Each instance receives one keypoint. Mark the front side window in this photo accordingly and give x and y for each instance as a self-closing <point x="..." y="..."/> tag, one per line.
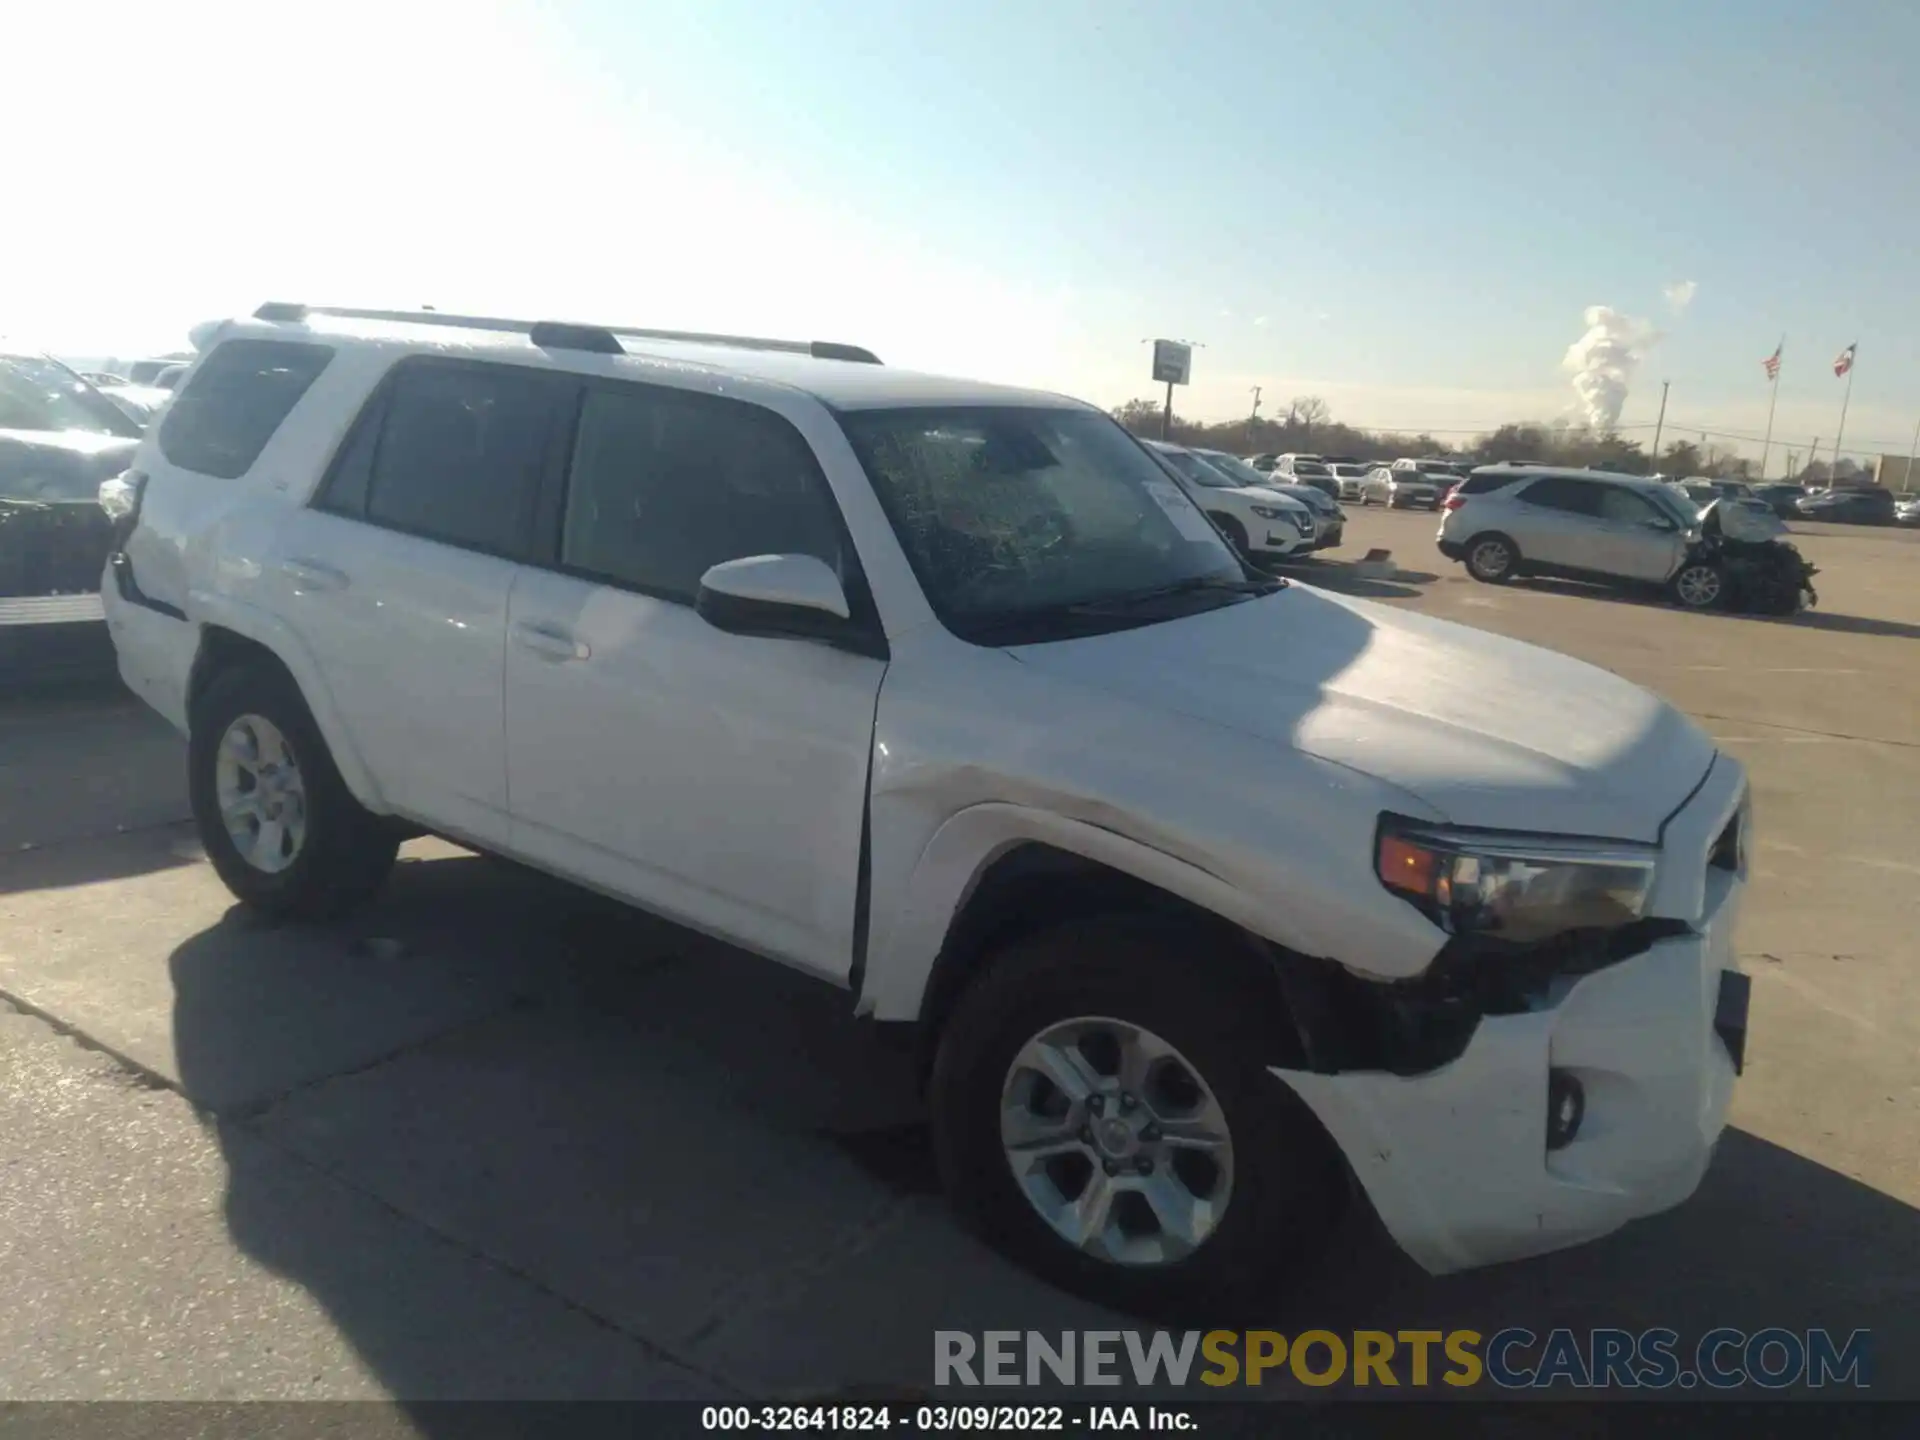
<point x="460" y="454"/>
<point x="224" y="418"/>
<point x="1623" y="507"/>
<point x="665" y="485"/>
<point x="1009" y="512"/>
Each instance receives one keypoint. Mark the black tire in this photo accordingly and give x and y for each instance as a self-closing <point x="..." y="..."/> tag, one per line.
<point x="346" y="852"/>
<point x="1698" y="585"/>
<point x="1235" y="532"/>
<point x="1480" y="556"/>
<point x="1289" y="1182"/>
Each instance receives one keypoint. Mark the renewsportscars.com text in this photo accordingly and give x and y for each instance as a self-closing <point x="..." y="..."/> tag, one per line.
<point x="1512" y="1358"/>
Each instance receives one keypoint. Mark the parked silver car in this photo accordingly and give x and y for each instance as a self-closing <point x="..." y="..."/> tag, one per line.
<point x="1580" y="525"/>
<point x="1403" y="489"/>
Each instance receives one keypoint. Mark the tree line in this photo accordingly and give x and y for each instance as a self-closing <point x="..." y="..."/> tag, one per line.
<point x="1307" y="426"/>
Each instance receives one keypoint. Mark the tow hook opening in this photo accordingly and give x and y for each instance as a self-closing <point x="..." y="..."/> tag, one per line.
<point x="1566" y="1108"/>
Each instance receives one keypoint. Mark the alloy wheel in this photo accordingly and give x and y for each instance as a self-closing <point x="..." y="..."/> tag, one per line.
<point x="261" y="794"/>
<point x="1116" y="1141"/>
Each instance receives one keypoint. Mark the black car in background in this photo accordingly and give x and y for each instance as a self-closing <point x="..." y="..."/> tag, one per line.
<point x="59" y="439"/>
<point x="1868" y="505"/>
<point x="1782" y="498"/>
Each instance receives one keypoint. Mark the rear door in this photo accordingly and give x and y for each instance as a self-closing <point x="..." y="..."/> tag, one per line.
<point x="397" y="579"/>
<point x="1559" y="524"/>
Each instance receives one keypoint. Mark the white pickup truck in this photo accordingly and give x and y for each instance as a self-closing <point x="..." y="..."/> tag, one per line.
<point x="1210" y="900"/>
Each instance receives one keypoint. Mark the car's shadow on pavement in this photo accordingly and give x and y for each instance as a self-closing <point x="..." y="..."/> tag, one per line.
<point x="1814" y="619"/>
<point x="717" y="1181"/>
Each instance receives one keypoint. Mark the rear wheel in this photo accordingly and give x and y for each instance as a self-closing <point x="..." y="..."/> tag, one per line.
<point x="1105" y="1117"/>
<point x="1492" y="559"/>
<point x="277" y="821"/>
<point x="1698" y="586"/>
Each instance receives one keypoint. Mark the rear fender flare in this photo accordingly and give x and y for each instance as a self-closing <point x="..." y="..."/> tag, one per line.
<point x="276" y="636"/>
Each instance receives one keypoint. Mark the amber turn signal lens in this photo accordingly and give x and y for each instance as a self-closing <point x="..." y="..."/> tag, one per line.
<point x="1402" y="865"/>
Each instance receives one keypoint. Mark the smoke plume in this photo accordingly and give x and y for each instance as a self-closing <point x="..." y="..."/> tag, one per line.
<point x="1603" y="361"/>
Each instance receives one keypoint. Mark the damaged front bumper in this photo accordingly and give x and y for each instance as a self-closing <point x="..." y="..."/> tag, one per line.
<point x="1484" y="1158"/>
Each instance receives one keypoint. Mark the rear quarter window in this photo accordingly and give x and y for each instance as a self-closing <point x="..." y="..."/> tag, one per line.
<point x="222" y="420"/>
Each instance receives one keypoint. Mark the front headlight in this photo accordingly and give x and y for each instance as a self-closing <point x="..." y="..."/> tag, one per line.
<point x="1518" y="888"/>
<point x="1267" y="512"/>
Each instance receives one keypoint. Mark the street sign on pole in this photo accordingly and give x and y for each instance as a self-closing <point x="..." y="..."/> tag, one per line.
<point x="1172" y="362"/>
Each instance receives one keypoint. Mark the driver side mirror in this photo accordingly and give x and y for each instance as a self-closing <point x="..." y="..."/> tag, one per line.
<point x="796" y="596"/>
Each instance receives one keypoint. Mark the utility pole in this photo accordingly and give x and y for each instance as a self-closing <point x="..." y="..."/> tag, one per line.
<point x="1813" y="455"/>
<point x="1658" y="426"/>
<point x="1906" y="480"/>
<point x="1254" y="418"/>
<point x="1793" y="457"/>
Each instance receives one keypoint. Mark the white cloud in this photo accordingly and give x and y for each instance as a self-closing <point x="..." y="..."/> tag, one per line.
<point x="1259" y="322"/>
<point x="1680" y="294"/>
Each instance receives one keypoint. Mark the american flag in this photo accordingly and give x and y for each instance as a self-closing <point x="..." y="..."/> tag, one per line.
<point x="1772" y="363"/>
<point x="1843" y="362"/>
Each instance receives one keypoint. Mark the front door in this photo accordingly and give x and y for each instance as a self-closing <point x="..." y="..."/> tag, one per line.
<point x="717" y="779"/>
<point x="1636" y="541"/>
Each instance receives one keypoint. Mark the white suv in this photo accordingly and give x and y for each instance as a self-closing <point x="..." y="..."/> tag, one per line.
<point x="1262" y="524"/>
<point x="1204" y="896"/>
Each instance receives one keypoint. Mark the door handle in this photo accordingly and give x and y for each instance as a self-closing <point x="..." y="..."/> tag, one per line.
<point x="550" y="642"/>
<point x="312" y="575"/>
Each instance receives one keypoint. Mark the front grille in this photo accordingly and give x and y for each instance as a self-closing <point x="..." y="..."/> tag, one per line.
<point x="1303" y="523"/>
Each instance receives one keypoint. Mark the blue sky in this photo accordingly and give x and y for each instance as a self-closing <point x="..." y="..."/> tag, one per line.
<point x="1404" y="208"/>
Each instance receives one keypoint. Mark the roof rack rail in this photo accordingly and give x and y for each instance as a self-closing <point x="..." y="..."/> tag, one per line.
<point x="567" y="335"/>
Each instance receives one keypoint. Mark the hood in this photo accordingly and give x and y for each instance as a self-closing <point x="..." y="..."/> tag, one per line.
<point x="83" y="443"/>
<point x="1487" y="731"/>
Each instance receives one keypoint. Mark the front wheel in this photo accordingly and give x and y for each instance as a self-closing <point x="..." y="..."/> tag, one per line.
<point x="277" y="821"/>
<point x="1698" y="585"/>
<point x="1492" y="559"/>
<point x="1103" y="1115"/>
<point x="1235" y="532"/>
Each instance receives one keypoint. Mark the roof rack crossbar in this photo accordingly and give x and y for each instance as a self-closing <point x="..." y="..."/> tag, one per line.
<point x="819" y="349"/>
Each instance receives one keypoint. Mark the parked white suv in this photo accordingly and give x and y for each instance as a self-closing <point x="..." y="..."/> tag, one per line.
<point x="1201" y="892"/>
<point x="1262" y="524"/>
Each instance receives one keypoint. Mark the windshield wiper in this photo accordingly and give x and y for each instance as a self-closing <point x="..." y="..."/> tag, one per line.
<point x="1199" y="584"/>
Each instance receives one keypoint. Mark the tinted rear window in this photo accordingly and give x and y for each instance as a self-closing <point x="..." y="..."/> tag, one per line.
<point x="221" y="422"/>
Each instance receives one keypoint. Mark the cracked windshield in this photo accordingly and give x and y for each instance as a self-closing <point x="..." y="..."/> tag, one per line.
<point x="963" y="715"/>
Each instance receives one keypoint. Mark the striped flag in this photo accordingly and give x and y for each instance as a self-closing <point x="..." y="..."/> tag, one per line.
<point x="1772" y="363"/>
<point x="1843" y="362"/>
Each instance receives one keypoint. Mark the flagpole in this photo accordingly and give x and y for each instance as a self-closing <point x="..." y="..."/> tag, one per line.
<point x="1852" y="365"/>
<point x="1767" y="447"/>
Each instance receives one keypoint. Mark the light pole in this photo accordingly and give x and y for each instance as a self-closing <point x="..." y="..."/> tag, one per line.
<point x="1658" y="426"/>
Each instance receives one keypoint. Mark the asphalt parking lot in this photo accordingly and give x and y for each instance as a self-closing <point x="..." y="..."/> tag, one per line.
<point x="494" y="1138"/>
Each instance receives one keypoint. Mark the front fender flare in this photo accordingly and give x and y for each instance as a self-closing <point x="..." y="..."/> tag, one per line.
<point x="906" y="944"/>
